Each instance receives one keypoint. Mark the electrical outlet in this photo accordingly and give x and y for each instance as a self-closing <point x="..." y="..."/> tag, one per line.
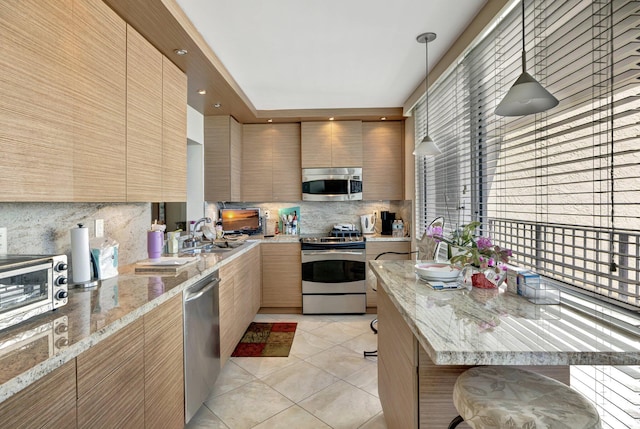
<point x="267" y="214"/>
<point x="3" y="240"/>
<point x="99" y="227"/>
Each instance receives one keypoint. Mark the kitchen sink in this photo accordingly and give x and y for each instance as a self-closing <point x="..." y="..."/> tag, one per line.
<point x="211" y="247"/>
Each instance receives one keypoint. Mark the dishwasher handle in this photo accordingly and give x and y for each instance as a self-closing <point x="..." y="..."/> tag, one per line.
<point x="191" y="296"/>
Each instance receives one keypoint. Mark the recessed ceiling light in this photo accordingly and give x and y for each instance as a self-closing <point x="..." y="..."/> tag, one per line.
<point x="202" y="91"/>
<point x="180" y="51"/>
<point x="384" y="118"/>
<point x="331" y="118"/>
<point x="269" y="120"/>
<point x="217" y="105"/>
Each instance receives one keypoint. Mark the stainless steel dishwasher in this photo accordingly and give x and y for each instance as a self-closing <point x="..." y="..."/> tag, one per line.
<point x="201" y="342"/>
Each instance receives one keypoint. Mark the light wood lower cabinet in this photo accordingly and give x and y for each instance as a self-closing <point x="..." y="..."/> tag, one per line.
<point x="239" y="297"/>
<point x="164" y="366"/>
<point x="48" y="403"/>
<point x="111" y="381"/>
<point x="281" y="275"/>
<point x="375" y="248"/>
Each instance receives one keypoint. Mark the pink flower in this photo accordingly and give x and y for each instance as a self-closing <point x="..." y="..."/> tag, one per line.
<point x="434" y="232"/>
<point x="483" y="243"/>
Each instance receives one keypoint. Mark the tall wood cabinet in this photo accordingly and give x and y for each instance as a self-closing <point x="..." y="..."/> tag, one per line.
<point x="239" y="297"/>
<point x="36" y="102"/>
<point x="144" y="119"/>
<point x="331" y="144"/>
<point x="271" y="162"/>
<point x="222" y="158"/>
<point x="382" y="169"/>
<point x="281" y="275"/>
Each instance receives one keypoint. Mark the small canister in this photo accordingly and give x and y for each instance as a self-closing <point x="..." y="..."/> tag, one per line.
<point x="397" y="228"/>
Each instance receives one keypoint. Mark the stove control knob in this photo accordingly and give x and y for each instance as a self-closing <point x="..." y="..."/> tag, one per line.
<point x="61" y="281"/>
<point x="61" y="266"/>
<point x="62" y="342"/>
<point x="61" y="328"/>
<point x="61" y="294"/>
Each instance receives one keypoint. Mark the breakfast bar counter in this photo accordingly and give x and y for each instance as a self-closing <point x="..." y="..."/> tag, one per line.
<point x="444" y="332"/>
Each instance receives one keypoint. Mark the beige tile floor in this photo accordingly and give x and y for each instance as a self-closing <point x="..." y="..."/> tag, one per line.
<point x="324" y="383"/>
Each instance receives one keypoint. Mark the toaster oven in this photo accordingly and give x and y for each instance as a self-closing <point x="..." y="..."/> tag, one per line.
<point x="31" y="285"/>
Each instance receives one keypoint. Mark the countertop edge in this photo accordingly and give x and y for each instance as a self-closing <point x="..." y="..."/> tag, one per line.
<point x="38" y="371"/>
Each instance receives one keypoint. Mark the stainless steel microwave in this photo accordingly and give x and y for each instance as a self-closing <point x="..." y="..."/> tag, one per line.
<point x="331" y="184"/>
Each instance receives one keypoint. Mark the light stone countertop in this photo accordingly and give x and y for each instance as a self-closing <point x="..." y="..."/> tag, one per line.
<point x="379" y="237"/>
<point x="92" y="315"/>
<point x="493" y="327"/>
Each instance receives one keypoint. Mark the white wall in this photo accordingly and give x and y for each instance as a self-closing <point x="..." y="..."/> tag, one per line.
<point x="195" y="164"/>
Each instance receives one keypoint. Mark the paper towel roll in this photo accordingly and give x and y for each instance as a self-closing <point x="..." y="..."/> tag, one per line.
<point x="80" y="254"/>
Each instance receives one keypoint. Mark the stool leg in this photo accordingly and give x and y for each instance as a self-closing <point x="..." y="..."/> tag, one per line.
<point x="374" y="322"/>
<point x="455" y="422"/>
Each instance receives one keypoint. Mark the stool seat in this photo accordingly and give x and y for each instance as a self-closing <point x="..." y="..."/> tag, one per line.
<point x="505" y="397"/>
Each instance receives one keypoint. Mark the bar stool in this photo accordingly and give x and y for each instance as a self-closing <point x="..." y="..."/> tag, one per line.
<point x="505" y="397"/>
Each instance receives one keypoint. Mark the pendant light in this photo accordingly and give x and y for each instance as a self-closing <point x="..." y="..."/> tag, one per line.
<point x="427" y="147"/>
<point x="526" y="96"/>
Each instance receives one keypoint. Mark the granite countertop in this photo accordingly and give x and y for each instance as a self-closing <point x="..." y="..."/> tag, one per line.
<point x="493" y="327"/>
<point x="32" y="349"/>
<point x="380" y="237"/>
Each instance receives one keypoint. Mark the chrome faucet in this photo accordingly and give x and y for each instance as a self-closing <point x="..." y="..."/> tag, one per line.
<point x="199" y="222"/>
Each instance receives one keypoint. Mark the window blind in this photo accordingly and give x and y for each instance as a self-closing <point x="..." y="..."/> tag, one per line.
<point x="560" y="188"/>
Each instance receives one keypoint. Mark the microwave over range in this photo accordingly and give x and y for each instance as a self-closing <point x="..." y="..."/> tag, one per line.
<point x="31" y="285"/>
<point x="331" y="184"/>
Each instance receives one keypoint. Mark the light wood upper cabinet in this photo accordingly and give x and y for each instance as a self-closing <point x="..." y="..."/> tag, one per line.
<point x="99" y="102"/>
<point x="144" y="119"/>
<point x="222" y="158"/>
<point x="331" y="144"/>
<point x="383" y="170"/>
<point x="281" y="275"/>
<point x="257" y="161"/>
<point x="271" y="162"/>
<point x="174" y="132"/>
<point x="36" y="105"/>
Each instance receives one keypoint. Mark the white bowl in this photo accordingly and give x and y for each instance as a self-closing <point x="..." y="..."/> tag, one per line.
<point x="437" y="271"/>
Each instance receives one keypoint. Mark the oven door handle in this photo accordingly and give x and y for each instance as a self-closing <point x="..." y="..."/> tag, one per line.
<point x="314" y="256"/>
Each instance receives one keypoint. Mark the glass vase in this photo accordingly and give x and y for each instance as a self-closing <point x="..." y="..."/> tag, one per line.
<point x="482" y="278"/>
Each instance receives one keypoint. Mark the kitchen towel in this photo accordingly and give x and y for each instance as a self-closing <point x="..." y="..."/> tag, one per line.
<point x="80" y="254"/>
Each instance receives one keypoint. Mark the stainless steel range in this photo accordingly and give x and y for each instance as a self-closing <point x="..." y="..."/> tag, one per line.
<point x="333" y="273"/>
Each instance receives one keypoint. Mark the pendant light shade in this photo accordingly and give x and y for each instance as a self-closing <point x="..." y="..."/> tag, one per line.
<point x="426" y="147"/>
<point x="526" y="96"/>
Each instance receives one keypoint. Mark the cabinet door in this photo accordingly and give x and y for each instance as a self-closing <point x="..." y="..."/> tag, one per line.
<point x="222" y="158"/>
<point x="316" y="144"/>
<point x="36" y="109"/>
<point x="247" y="290"/>
<point x="383" y="161"/>
<point x="281" y="275"/>
<point x="48" y="403"/>
<point x="99" y="102"/>
<point x="375" y="248"/>
<point x="228" y="327"/>
<point x="144" y="119"/>
<point x="346" y="144"/>
<point x="286" y="168"/>
<point x="163" y="366"/>
<point x="257" y="181"/>
<point x="174" y="132"/>
<point x="110" y="380"/>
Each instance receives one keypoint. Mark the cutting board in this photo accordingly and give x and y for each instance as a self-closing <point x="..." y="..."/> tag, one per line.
<point x="166" y="264"/>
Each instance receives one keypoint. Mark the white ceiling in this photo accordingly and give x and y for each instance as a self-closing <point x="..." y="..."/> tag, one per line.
<point x="299" y="54"/>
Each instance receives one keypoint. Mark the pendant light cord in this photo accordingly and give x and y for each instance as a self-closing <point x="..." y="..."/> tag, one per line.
<point x="426" y="79"/>
<point x="524" y="52"/>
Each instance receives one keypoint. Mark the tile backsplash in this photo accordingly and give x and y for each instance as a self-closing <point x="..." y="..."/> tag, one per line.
<point x="319" y="217"/>
<point x="43" y="228"/>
